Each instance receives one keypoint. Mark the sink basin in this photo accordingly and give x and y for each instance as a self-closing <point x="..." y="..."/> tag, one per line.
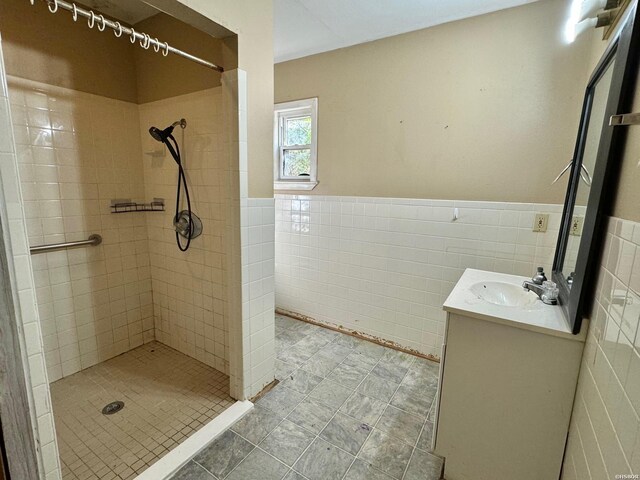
<point x="505" y="294"/>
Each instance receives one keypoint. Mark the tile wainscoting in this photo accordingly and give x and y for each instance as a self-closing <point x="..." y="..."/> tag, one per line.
<point x="604" y="437"/>
<point x="16" y="243"/>
<point x="384" y="266"/>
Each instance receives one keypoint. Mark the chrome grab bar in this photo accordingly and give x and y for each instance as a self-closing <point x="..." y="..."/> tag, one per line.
<point x="93" y="240"/>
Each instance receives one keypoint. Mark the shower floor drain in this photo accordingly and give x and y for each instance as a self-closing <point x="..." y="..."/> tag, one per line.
<point x="113" y="407"/>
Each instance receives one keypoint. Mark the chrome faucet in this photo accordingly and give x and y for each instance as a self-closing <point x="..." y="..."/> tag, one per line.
<point x="546" y="291"/>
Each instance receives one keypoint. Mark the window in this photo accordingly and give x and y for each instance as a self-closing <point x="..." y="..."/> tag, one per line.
<point x="295" y="145"/>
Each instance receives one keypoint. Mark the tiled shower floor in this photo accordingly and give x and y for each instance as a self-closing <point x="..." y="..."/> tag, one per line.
<point x="344" y="409"/>
<point x="167" y="396"/>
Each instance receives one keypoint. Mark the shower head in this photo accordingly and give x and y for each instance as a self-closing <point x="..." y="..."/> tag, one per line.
<point x="162" y="135"/>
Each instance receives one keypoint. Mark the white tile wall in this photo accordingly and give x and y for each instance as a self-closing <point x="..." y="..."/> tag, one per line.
<point x="76" y="152"/>
<point x="250" y="252"/>
<point x="12" y="215"/>
<point x="258" y="286"/>
<point x="189" y="287"/>
<point x="604" y="437"/>
<point x="385" y="266"/>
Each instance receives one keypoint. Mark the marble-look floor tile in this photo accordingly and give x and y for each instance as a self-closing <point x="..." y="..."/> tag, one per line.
<point x="358" y="360"/>
<point x="259" y="466"/>
<point x="396" y="357"/>
<point x="307" y="328"/>
<point x="281" y="399"/>
<point x="323" y="461"/>
<point x="423" y="466"/>
<point x="286" y="322"/>
<point x="371" y="350"/>
<point x="339" y="352"/>
<point x="364" y="471"/>
<point x="224" y="453"/>
<point x="293" y="475"/>
<point x="363" y="408"/>
<point x="378" y="388"/>
<point x="389" y="371"/>
<point x="287" y="442"/>
<point x="192" y="471"/>
<point x="415" y="403"/>
<point x="348" y="341"/>
<point x="432" y="414"/>
<point x="296" y="355"/>
<point x="330" y="393"/>
<point x="302" y="381"/>
<point x="257" y="424"/>
<point x="346" y="432"/>
<point x="422" y="372"/>
<point x="424" y="442"/>
<point x="312" y="415"/>
<point x="312" y="344"/>
<point x="329" y="335"/>
<point x="400" y="424"/>
<point x="320" y="364"/>
<point x="288" y="338"/>
<point x="386" y="453"/>
<point x="284" y="369"/>
<point x="347" y="376"/>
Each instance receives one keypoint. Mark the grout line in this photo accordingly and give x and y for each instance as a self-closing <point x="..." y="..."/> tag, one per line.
<point x="317" y="435"/>
<point x="352" y="391"/>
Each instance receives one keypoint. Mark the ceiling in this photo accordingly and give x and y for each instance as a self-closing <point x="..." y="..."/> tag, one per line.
<point x="128" y="11"/>
<point x="306" y="27"/>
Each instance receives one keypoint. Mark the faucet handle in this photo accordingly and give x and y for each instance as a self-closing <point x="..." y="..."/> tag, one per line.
<point x="539" y="278"/>
<point x="550" y="293"/>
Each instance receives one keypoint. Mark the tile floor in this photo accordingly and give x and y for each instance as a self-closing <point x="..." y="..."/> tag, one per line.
<point x="344" y="409"/>
<point x="167" y="396"/>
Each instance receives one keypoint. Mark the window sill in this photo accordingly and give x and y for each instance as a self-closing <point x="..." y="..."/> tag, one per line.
<point x="294" y="185"/>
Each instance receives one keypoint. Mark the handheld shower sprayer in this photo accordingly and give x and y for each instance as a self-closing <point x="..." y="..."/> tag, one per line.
<point x="185" y="222"/>
<point x="163" y="135"/>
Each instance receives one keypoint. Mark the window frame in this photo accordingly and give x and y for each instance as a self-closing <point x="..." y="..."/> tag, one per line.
<point x="282" y="112"/>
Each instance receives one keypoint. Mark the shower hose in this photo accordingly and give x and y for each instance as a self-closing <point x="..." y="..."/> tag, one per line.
<point x="182" y="181"/>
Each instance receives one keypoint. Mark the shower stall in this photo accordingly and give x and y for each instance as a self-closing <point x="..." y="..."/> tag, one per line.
<point x="132" y="307"/>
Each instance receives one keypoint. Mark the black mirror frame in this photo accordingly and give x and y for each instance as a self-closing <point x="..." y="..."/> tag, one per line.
<point x="625" y="50"/>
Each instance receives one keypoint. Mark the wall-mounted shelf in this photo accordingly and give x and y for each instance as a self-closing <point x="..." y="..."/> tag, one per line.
<point x="126" y="206"/>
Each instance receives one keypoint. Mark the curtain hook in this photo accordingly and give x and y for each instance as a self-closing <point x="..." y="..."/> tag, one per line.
<point x="118" y="32"/>
<point x="165" y="52"/>
<point x="133" y="35"/>
<point x="92" y="20"/>
<point x="75" y="12"/>
<point x="104" y="25"/>
<point x="156" y="45"/>
<point x="145" y="42"/>
<point x="55" y="6"/>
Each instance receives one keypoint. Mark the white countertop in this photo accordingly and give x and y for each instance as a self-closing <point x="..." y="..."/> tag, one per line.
<point x="538" y="317"/>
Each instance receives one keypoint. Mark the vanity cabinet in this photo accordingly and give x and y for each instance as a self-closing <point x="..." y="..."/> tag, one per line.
<point x="507" y="383"/>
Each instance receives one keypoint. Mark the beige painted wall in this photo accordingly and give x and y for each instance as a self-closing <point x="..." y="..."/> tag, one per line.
<point x="253" y="22"/>
<point x="482" y="109"/>
<point x="627" y="200"/>
<point x="626" y="203"/>
<point x="162" y="77"/>
<point x="52" y="49"/>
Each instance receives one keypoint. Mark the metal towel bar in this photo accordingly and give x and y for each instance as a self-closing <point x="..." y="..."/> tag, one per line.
<point x="93" y="240"/>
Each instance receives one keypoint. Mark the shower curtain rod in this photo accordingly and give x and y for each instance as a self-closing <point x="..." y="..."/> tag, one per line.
<point x="144" y="39"/>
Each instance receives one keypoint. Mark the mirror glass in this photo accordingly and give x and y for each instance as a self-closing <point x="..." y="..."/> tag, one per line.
<point x="587" y="163"/>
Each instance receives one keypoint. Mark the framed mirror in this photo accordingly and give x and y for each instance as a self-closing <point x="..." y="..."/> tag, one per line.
<point x="594" y="168"/>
